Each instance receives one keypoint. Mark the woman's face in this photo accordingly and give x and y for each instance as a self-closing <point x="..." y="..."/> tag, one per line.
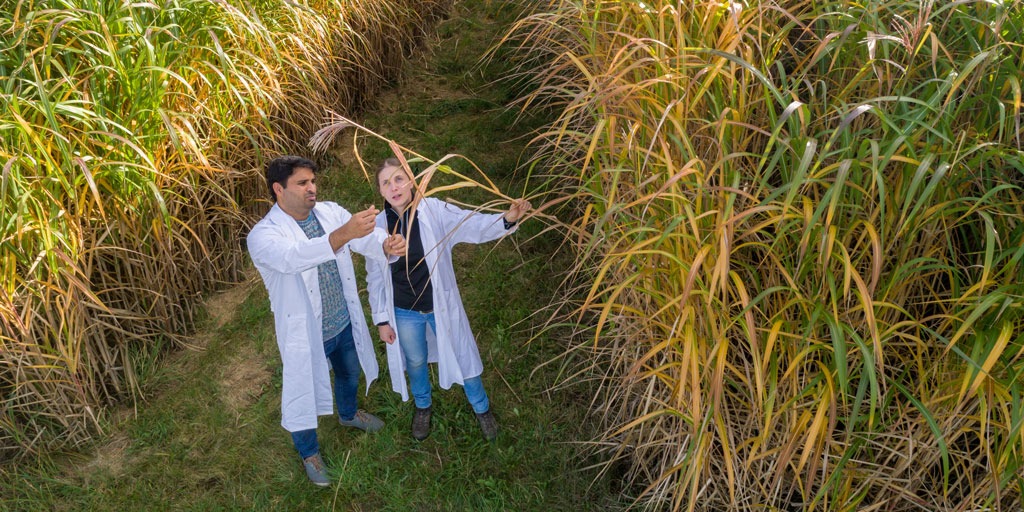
<point x="396" y="187"/>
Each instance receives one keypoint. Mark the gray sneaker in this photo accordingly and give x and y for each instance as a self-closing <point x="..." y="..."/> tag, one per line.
<point x="316" y="470"/>
<point x="488" y="425"/>
<point x="363" y="421"/>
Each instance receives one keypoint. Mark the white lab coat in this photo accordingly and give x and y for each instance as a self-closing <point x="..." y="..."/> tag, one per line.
<point x="453" y="346"/>
<point x="287" y="260"/>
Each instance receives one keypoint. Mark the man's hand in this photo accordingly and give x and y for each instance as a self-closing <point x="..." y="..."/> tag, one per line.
<point x="360" y="225"/>
<point x="395" y="245"/>
<point x="387" y="333"/>
<point x="517" y="210"/>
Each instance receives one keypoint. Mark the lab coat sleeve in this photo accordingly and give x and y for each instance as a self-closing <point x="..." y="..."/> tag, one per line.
<point x="376" y="282"/>
<point x="469" y="226"/>
<point x="270" y="248"/>
<point x="375" y="286"/>
<point x="371" y="246"/>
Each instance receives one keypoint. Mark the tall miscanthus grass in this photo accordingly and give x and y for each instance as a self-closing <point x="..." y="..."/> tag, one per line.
<point x="131" y="137"/>
<point x="799" y="229"/>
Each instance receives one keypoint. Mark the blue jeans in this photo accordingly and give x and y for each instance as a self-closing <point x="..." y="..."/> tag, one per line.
<point x="341" y="352"/>
<point x="412" y="335"/>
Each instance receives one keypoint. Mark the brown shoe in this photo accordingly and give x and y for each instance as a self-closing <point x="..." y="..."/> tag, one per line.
<point x="488" y="425"/>
<point x="421" y="423"/>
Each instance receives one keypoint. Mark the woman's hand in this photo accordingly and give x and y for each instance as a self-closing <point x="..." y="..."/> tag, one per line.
<point x="387" y="333"/>
<point x="394" y="245"/>
<point x="519" y="208"/>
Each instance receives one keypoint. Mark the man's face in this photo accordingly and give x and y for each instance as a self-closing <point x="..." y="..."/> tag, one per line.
<point x="396" y="187"/>
<point x="298" y="197"/>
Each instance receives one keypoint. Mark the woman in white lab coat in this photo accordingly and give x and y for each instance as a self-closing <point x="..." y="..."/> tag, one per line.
<point x="415" y="300"/>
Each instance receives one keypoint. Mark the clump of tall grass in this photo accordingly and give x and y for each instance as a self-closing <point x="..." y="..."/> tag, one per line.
<point x="131" y="137"/>
<point x="799" y="229"/>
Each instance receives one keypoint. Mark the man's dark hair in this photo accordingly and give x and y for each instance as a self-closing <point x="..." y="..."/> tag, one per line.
<point x="280" y="168"/>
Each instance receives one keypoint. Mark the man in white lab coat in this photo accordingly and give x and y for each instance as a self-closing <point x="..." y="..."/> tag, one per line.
<point x="301" y="249"/>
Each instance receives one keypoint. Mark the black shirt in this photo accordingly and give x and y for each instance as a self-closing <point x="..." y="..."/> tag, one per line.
<point x="410" y="276"/>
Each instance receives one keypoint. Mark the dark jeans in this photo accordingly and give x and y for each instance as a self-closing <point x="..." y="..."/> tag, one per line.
<point x="341" y="352"/>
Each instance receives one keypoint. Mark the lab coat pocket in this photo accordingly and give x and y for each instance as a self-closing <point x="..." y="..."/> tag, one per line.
<point x="296" y="336"/>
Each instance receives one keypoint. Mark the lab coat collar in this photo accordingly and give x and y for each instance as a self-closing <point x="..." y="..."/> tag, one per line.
<point x="280" y="217"/>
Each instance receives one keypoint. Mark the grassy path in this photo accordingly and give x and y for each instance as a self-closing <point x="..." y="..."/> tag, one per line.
<point x="208" y="435"/>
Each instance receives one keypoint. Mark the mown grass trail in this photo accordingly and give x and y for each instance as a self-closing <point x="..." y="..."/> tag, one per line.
<point x="208" y="435"/>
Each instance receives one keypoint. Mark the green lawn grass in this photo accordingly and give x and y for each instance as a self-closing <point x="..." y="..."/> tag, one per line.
<point x="208" y="435"/>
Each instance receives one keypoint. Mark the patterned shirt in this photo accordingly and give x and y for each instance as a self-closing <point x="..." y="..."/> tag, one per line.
<point x="335" y="312"/>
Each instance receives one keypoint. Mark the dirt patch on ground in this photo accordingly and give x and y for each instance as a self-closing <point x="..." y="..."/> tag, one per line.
<point x="110" y="459"/>
<point x="246" y="377"/>
<point x="222" y="306"/>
